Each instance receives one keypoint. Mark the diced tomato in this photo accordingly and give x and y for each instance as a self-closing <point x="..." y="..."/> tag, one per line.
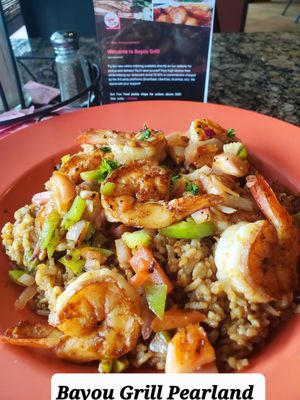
<point x="143" y="260"/>
<point x="139" y="278"/>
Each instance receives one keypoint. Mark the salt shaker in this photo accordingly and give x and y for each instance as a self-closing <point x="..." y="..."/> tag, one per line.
<point x="71" y="68"/>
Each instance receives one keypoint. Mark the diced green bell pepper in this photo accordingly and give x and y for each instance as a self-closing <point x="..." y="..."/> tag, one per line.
<point x="136" y="239"/>
<point x="189" y="230"/>
<point x="156" y="296"/>
<point x="75" y="212"/>
<point x="73" y="262"/>
<point x="51" y="223"/>
<point x="105" y="366"/>
<point x="93" y="175"/>
<point x="117" y="366"/>
<point x="107" y="188"/>
<point x="120" y="365"/>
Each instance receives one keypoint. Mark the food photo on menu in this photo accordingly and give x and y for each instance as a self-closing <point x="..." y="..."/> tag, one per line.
<point x="149" y="202"/>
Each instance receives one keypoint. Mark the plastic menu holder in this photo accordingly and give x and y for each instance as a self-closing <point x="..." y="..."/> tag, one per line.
<point x="154" y="49"/>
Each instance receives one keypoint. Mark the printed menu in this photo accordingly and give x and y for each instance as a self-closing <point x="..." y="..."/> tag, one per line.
<point x="154" y="49"/>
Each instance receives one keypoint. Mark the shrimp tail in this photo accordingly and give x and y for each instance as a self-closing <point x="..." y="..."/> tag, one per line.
<point x="28" y="334"/>
<point x="185" y="206"/>
<point x="287" y="252"/>
<point x="270" y="206"/>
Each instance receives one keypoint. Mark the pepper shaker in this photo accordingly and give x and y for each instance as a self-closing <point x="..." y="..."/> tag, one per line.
<point x="71" y="68"/>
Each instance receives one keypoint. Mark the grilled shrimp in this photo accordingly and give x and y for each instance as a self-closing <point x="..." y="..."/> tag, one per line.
<point x="140" y="197"/>
<point x="97" y="316"/>
<point x="82" y="161"/>
<point x="206" y="139"/>
<point x="239" y="204"/>
<point x="259" y="259"/>
<point x="190" y="351"/>
<point x="230" y="164"/>
<point x="147" y="144"/>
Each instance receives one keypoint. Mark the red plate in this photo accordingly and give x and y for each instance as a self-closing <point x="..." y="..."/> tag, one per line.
<point x="27" y="158"/>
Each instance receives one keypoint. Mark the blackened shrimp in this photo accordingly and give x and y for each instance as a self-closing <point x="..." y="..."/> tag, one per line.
<point x="206" y="139"/>
<point x="140" y="197"/>
<point x="146" y="144"/>
<point x="259" y="259"/>
<point x="96" y="317"/>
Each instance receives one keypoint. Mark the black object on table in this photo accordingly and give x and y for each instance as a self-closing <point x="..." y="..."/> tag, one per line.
<point x="49" y="110"/>
<point x="254" y="71"/>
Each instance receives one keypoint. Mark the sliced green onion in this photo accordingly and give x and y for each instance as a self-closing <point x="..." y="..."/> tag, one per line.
<point x="146" y="135"/>
<point x="54" y="242"/>
<point x="156" y="296"/>
<point x="120" y="365"/>
<point x="189" y="230"/>
<point x="107" y="166"/>
<point x="75" y="212"/>
<point x="231" y="133"/>
<point x="108" y="188"/>
<point x="105" y="366"/>
<point x="15" y="274"/>
<point x="243" y="153"/>
<point x="136" y="239"/>
<point x="29" y="261"/>
<point x="33" y="264"/>
<point x="100" y="174"/>
<point x="51" y="223"/>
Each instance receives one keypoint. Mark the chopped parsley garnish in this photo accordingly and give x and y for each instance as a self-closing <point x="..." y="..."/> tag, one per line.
<point x="105" y="149"/>
<point x="146" y="135"/>
<point x="192" y="187"/>
<point x="231" y="133"/>
<point x="106" y="167"/>
<point x="175" y="178"/>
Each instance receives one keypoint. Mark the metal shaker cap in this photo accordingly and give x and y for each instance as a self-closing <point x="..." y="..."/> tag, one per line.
<point x="64" y="41"/>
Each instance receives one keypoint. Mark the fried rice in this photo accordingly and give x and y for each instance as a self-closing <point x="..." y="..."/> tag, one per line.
<point x="235" y="326"/>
